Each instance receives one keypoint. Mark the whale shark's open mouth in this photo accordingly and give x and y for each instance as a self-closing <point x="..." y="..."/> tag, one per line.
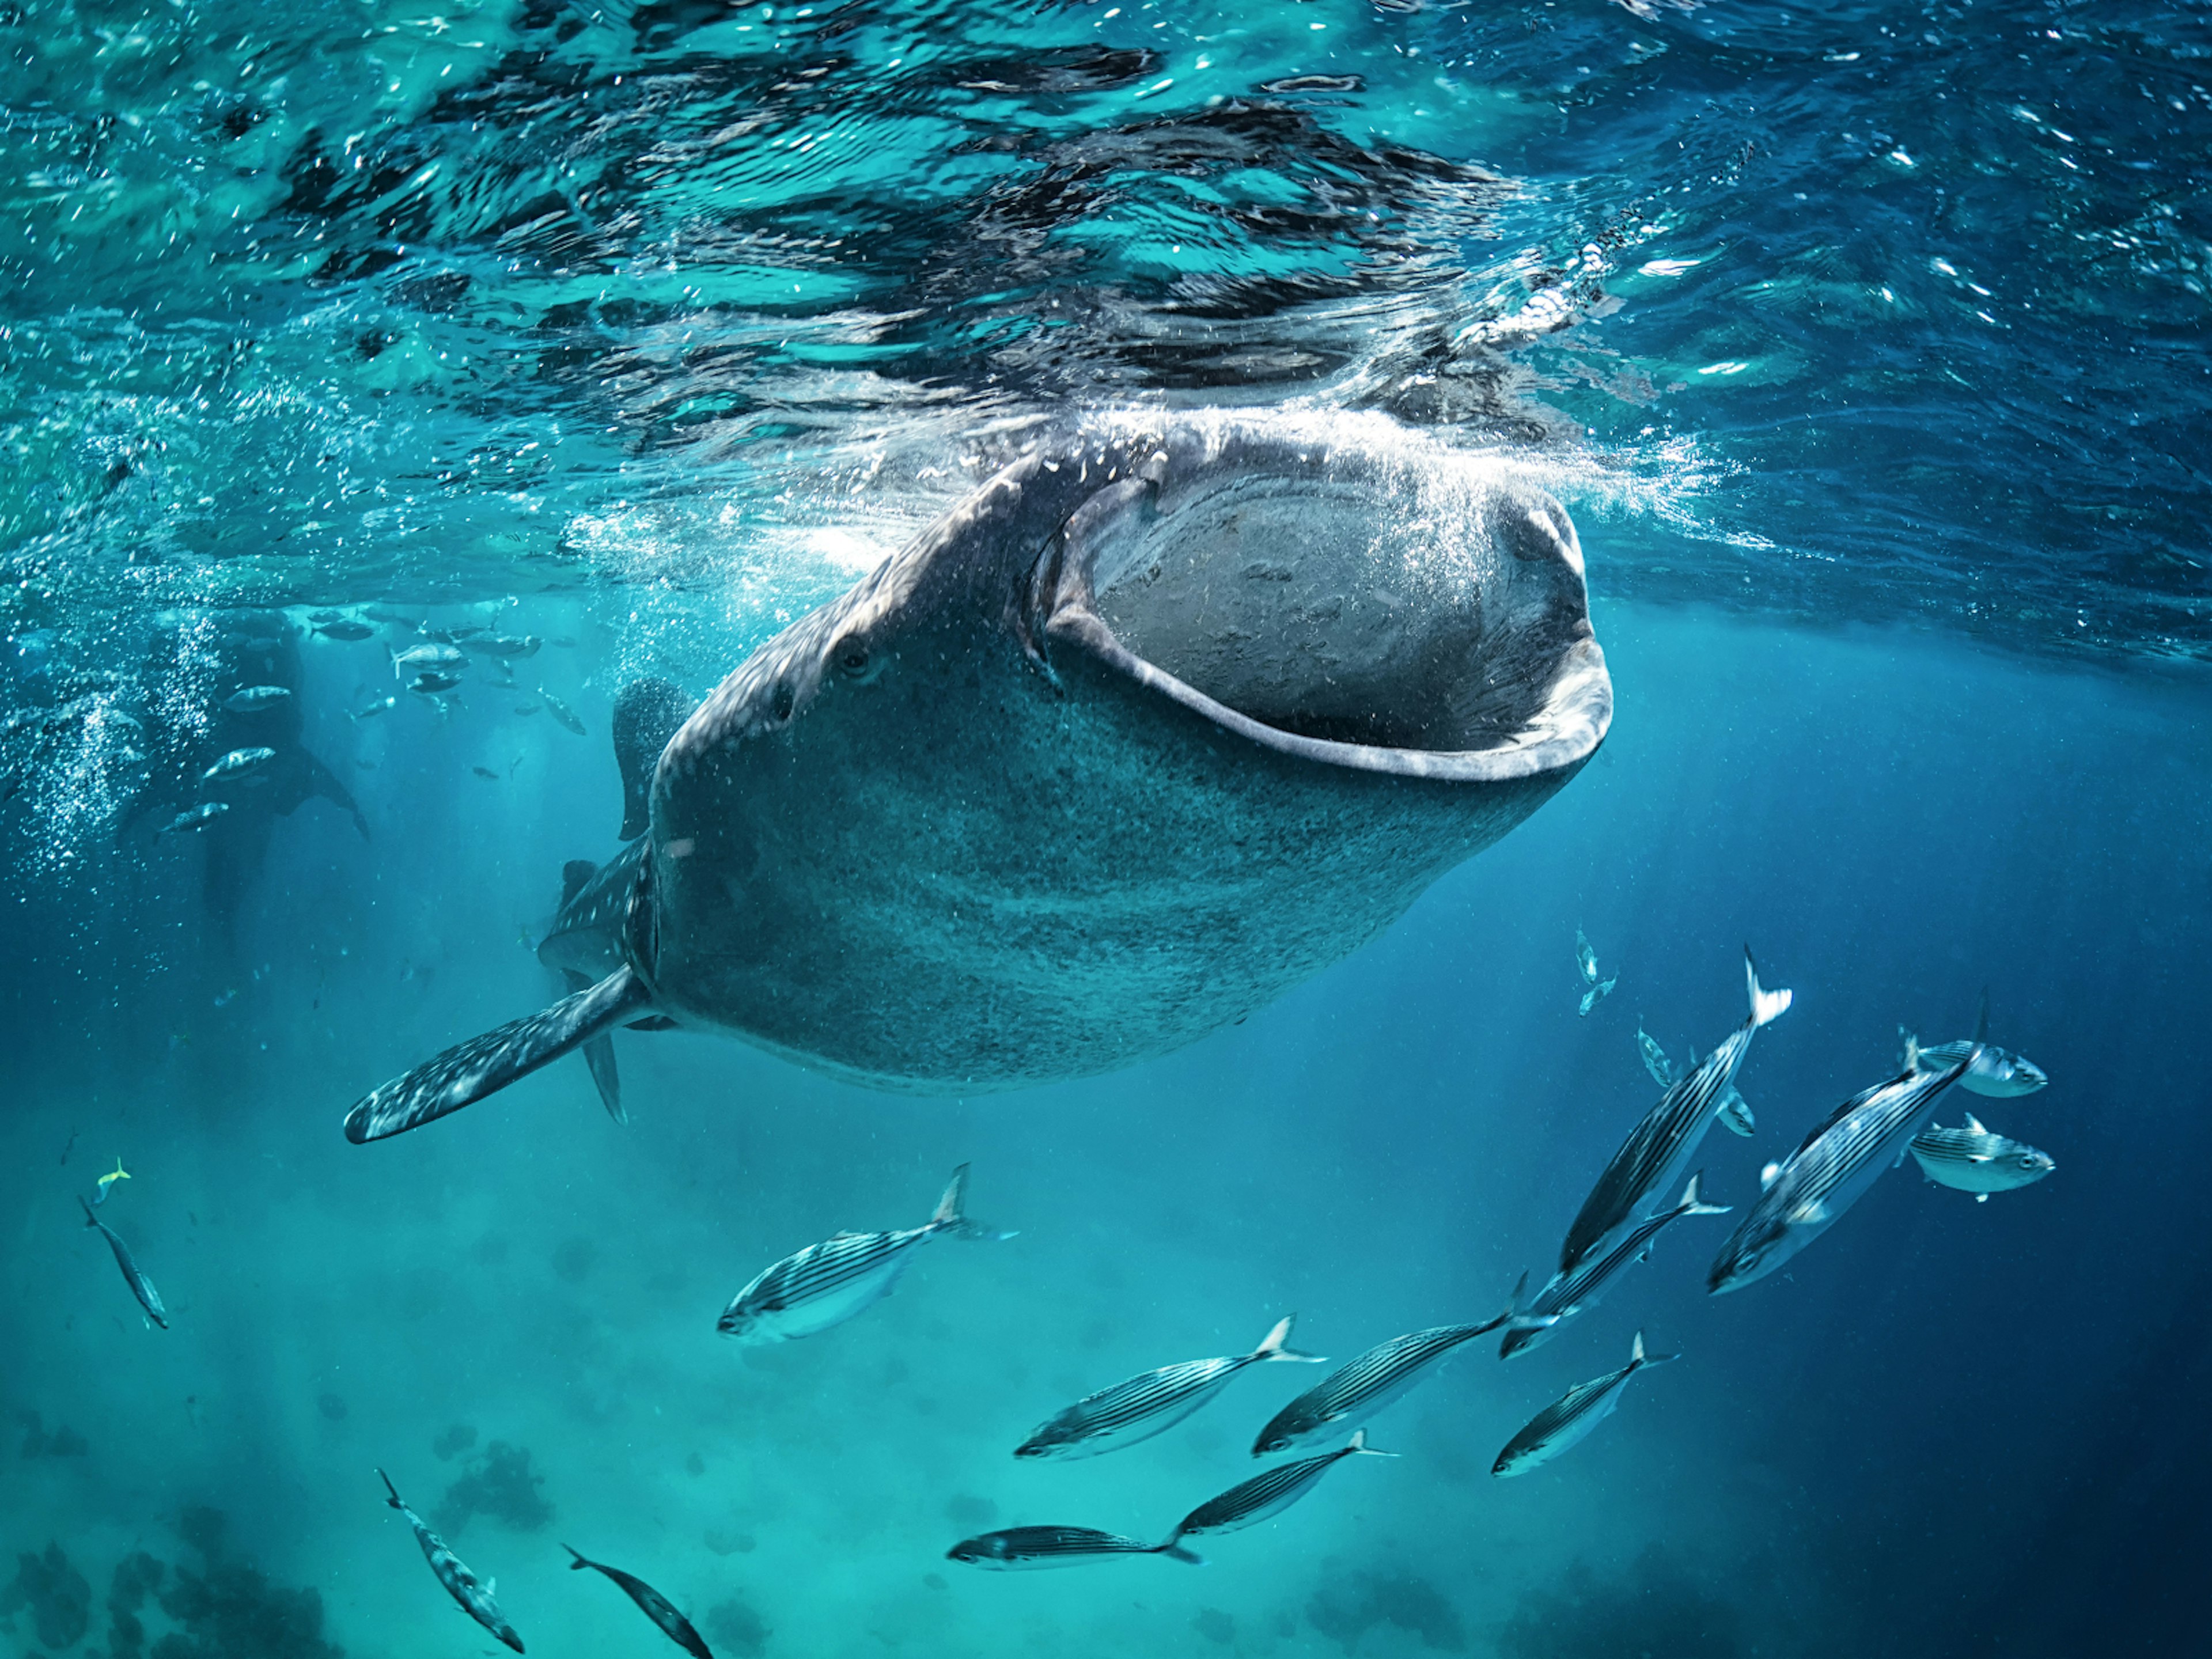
<point x="1426" y="620"/>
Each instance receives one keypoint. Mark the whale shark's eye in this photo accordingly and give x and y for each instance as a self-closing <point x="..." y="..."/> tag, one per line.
<point x="853" y="659"/>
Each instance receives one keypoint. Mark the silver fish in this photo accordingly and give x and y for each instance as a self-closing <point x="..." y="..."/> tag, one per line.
<point x="1734" y="1111"/>
<point x="431" y="682"/>
<point x="1356" y="1391"/>
<point x="827" y="1283"/>
<point x="1269" y="1493"/>
<point x="1997" y="1072"/>
<point x="506" y="645"/>
<point x="561" y="711"/>
<point x="1976" y="1160"/>
<point x="197" y="818"/>
<point x="255" y="698"/>
<point x="475" y="1598"/>
<point x="369" y="711"/>
<point x="1567" y="1420"/>
<point x="238" y="764"/>
<point x="1576" y="1290"/>
<point x="1150" y="1404"/>
<point x="1019" y="1549"/>
<point x="344" y="627"/>
<point x="650" y="1602"/>
<point x="1831" y="1167"/>
<point x="1586" y="959"/>
<point x="141" y="1286"/>
<point x="1658" y="1150"/>
<point x="418" y="658"/>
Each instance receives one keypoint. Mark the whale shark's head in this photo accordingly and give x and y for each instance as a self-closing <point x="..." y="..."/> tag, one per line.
<point x="1167" y="714"/>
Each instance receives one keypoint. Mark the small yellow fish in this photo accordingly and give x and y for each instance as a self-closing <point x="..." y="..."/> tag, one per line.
<point x="107" y="1181"/>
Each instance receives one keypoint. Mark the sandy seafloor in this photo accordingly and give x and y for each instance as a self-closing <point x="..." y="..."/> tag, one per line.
<point x="1880" y="1446"/>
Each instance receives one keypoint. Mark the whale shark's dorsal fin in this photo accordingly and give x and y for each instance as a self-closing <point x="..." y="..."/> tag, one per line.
<point x="574" y="874"/>
<point x="467" y="1073"/>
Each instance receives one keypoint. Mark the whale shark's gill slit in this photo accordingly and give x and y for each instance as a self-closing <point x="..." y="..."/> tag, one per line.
<point x="465" y="1074"/>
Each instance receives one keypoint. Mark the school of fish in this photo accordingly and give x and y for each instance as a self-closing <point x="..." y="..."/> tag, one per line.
<point x="1642" y="1192"/>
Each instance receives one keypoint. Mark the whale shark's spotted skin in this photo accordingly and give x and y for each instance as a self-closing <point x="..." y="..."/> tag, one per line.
<point x="1171" y="712"/>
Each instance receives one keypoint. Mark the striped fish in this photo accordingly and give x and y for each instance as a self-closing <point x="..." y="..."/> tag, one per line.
<point x="1997" y="1072"/>
<point x="460" y="1583"/>
<point x="1021" y="1549"/>
<point x="141" y="1286"/>
<point x="1659" y="1149"/>
<point x="650" y="1602"/>
<point x="1269" y="1493"/>
<point x="1571" y="1291"/>
<point x="1354" y="1392"/>
<point x="1831" y="1167"/>
<point x="827" y="1283"/>
<point x="1976" y="1160"/>
<point x="1146" y="1406"/>
<point x="1565" y="1422"/>
<point x="1734" y="1111"/>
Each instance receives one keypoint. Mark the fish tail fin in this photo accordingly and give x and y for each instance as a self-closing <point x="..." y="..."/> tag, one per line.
<point x="1982" y="1017"/>
<point x="466" y="1072"/>
<point x="950" y="1217"/>
<point x="1173" y="1551"/>
<point x="579" y="1563"/>
<point x="1693" y="1205"/>
<point x="1273" y="1346"/>
<point x="948" y="1212"/>
<point x="1358" y="1446"/>
<point x="394" y="1498"/>
<point x="1766" y="1006"/>
<point x="1636" y="1357"/>
<point x="1514" y="1318"/>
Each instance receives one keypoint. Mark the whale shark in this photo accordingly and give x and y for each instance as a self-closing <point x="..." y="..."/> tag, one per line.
<point x="1170" y="712"/>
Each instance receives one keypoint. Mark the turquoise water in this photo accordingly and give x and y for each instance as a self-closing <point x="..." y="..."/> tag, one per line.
<point x="644" y="331"/>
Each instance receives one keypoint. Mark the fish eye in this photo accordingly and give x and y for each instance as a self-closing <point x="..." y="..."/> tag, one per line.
<point x="853" y="659"/>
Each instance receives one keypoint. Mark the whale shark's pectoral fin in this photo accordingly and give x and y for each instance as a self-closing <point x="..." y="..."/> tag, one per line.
<point x="599" y="1052"/>
<point x="467" y="1073"/>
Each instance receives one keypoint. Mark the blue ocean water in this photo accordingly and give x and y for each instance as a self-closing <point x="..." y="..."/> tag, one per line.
<point x="1867" y="346"/>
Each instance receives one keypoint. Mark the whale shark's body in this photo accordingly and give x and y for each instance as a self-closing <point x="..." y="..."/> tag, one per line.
<point x="1170" y="713"/>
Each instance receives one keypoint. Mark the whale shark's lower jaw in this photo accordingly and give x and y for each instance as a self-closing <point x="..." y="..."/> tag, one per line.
<point x="1153" y="727"/>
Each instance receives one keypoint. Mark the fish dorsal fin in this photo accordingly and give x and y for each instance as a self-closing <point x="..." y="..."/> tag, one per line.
<point x="1767" y="1174"/>
<point x="1982" y="1017"/>
<point x="1911" y="1052"/>
<point x="1974" y="1125"/>
<point x="1635" y="1350"/>
<point x="1810" y="1213"/>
